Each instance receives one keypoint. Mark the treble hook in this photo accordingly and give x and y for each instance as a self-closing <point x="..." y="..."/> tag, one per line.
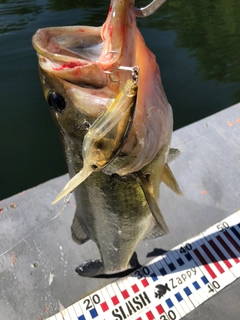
<point x="135" y="71"/>
<point x="149" y="9"/>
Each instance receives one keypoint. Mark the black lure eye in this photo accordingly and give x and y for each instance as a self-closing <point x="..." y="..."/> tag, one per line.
<point x="56" y="101"/>
<point x="94" y="167"/>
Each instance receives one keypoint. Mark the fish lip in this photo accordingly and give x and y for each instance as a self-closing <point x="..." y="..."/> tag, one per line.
<point x="56" y="56"/>
<point x="49" y="42"/>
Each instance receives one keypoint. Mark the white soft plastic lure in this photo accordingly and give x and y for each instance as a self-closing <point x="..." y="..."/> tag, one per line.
<point x="105" y="137"/>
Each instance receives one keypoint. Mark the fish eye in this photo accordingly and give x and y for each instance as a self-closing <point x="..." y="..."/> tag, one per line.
<point x="56" y="101"/>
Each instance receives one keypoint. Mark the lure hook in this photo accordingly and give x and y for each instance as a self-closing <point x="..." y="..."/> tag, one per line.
<point x="149" y="9"/>
<point x="135" y="71"/>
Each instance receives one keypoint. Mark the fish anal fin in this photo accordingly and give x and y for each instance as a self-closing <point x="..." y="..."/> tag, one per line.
<point x="146" y="185"/>
<point x="78" y="234"/>
<point x="154" y="233"/>
<point x="170" y="181"/>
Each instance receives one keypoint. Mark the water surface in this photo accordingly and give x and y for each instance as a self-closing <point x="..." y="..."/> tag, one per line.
<point x="197" y="45"/>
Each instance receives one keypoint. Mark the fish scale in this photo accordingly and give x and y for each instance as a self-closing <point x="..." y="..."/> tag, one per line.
<point x="113" y="115"/>
<point x="191" y="273"/>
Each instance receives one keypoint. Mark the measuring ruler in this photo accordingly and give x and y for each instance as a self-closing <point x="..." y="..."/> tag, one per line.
<point x="171" y="285"/>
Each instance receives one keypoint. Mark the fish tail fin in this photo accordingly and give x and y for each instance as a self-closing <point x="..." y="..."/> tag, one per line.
<point x="152" y="203"/>
<point x="169" y="179"/>
<point x="90" y="268"/>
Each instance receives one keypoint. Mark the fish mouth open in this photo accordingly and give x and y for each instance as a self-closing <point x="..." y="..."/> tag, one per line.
<point x="71" y="53"/>
<point x="82" y="54"/>
<point x="75" y="61"/>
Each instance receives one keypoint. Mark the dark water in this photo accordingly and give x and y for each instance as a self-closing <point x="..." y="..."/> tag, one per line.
<point x="197" y="45"/>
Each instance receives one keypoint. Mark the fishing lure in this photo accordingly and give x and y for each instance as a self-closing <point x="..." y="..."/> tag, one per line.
<point x="107" y="135"/>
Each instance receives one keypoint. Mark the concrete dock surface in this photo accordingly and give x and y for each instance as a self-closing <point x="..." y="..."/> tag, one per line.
<point x="38" y="256"/>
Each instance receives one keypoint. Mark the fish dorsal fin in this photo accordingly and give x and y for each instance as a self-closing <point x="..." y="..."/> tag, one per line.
<point x="169" y="179"/>
<point x="147" y="188"/>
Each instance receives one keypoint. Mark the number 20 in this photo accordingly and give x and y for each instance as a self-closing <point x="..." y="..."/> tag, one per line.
<point x="171" y="315"/>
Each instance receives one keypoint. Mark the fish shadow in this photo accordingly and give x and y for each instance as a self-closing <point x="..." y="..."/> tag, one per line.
<point x="213" y="248"/>
<point x="209" y="250"/>
<point x="156" y="252"/>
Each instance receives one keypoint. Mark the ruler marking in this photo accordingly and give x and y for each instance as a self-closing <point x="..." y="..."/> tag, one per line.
<point x="99" y="303"/>
<point x="188" y="279"/>
<point x="233" y="242"/>
<point x="201" y="274"/>
<point x="169" y="262"/>
<point x="212" y="258"/>
<point x="204" y="263"/>
<point x="64" y="315"/>
<point x="59" y="316"/>
<point x="160" y="309"/>
<point x="159" y="293"/>
<point x="89" y="311"/>
<point x="150" y="315"/>
<point x="190" y="294"/>
<point x="220" y="280"/>
<point x="71" y="313"/>
<point x="171" y="285"/>
<point x="175" y="290"/>
<point x="227" y="248"/>
<point x="224" y="274"/>
<point x="205" y="278"/>
<point x="220" y="254"/>
<point x="107" y="302"/>
<point x="234" y="230"/>
<point x="113" y="296"/>
<point x="165" y="303"/>
<point x="195" y="276"/>
<point x="77" y="309"/>
<point x="222" y="247"/>
<point x="152" y="279"/>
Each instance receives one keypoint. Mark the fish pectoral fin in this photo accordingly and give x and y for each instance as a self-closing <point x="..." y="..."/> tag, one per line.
<point x="78" y="233"/>
<point x="73" y="183"/>
<point x="170" y="181"/>
<point x="173" y="154"/>
<point x="152" y="203"/>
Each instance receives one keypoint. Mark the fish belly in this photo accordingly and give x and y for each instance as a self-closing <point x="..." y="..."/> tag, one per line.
<point x="115" y="215"/>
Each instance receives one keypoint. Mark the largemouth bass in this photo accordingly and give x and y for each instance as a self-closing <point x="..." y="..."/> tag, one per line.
<point x="115" y="169"/>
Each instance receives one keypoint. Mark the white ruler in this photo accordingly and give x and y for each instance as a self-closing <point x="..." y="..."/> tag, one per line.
<point x="171" y="285"/>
